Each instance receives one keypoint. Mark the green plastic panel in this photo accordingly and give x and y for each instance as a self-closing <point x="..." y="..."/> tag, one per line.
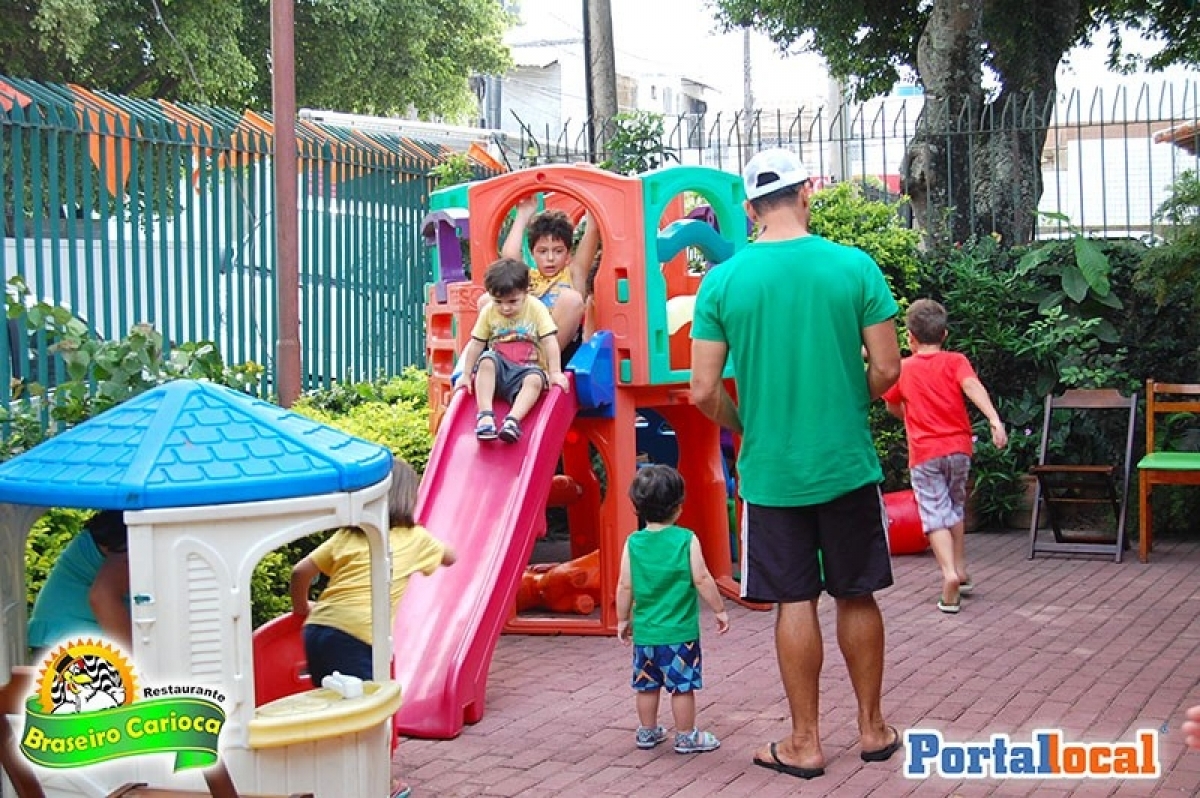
<point x="724" y="194"/>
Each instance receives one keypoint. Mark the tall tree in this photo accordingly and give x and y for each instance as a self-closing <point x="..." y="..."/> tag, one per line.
<point x="994" y="137"/>
<point x="370" y="56"/>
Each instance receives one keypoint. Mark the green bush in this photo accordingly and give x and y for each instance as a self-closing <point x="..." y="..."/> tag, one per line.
<point x="1175" y="260"/>
<point x="391" y="412"/>
<point x="48" y="537"/>
<point x="843" y="214"/>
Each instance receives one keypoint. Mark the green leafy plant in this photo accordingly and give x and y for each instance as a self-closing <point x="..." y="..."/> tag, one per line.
<point x="391" y="412"/>
<point x="843" y="213"/>
<point x="455" y="169"/>
<point x="635" y="143"/>
<point x="48" y="537"/>
<point x="1082" y="274"/>
<point x="1177" y="258"/>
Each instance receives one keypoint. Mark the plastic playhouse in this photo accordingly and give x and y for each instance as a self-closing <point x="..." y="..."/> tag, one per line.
<point x="210" y="481"/>
<point x="489" y="500"/>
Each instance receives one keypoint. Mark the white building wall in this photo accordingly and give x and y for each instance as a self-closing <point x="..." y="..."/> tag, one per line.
<point x="1113" y="185"/>
<point x="532" y="95"/>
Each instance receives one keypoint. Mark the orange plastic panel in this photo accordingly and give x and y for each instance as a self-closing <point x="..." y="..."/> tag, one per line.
<point x="614" y="203"/>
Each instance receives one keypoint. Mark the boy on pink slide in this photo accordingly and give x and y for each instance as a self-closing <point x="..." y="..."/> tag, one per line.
<point x="513" y="352"/>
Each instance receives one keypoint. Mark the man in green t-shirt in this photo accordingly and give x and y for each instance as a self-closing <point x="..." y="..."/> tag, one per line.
<point x="794" y="312"/>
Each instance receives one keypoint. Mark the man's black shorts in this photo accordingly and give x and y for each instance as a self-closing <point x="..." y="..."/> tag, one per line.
<point x="781" y="545"/>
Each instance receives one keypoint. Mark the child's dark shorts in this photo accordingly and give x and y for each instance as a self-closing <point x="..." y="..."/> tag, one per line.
<point x="328" y="650"/>
<point x="781" y="545"/>
<point x="674" y="667"/>
<point x="509" y="375"/>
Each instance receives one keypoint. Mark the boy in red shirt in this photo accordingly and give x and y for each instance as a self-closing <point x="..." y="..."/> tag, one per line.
<point x="929" y="399"/>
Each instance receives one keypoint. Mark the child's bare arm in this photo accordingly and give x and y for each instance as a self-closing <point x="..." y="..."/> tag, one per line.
<point x="515" y="239"/>
<point x="449" y="555"/>
<point x="585" y="255"/>
<point x="554" y="371"/>
<point x="624" y="599"/>
<point x="470" y="356"/>
<point x="706" y="586"/>
<point x="303" y="574"/>
<point x="978" y="395"/>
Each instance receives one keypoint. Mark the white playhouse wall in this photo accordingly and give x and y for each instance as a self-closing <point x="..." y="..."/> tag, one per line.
<point x="190" y="571"/>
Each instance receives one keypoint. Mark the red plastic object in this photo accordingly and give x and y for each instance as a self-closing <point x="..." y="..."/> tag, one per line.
<point x="566" y="587"/>
<point x="486" y="499"/>
<point x="564" y="491"/>
<point x="280" y="667"/>
<point x="905" y="535"/>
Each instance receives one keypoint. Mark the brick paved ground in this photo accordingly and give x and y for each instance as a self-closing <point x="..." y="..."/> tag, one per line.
<point x="1096" y="648"/>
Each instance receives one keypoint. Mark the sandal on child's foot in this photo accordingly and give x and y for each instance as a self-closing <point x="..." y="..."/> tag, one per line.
<point x="510" y="430"/>
<point x="400" y="790"/>
<point x="485" y="425"/>
<point x="650" y="736"/>
<point x="695" y="742"/>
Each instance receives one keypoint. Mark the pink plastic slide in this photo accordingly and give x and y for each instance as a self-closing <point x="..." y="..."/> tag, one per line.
<point x="487" y="499"/>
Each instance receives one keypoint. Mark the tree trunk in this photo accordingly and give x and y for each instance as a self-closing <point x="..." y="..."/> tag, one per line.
<point x="973" y="167"/>
<point x="950" y="62"/>
<point x="1006" y="175"/>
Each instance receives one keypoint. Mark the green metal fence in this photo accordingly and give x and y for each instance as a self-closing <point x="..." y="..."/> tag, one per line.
<point x="131" y="211"/>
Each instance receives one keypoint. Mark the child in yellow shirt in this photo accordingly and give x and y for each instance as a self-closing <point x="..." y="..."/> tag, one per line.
<point x="337" y="628"/>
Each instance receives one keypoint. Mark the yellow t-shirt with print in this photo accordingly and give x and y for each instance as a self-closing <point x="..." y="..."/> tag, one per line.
<point x="517" y="339"/>
<point x="345" y="558"/>
<point x="546" y="288"/>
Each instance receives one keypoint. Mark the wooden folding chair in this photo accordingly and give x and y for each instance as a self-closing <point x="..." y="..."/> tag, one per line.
<point x="1163" y="467"/>
<point x="1061" y="486"/>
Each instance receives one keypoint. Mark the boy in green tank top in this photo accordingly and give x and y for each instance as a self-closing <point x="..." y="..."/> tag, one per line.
<point x="663" y="576"/>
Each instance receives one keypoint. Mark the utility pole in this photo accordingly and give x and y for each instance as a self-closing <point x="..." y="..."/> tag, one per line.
<point x="588" y="93"/>
<point x="838" y="127"/>
<point x="747" y="98"/>
<point x="601" y="62"/>
<point x="287" y="227"/>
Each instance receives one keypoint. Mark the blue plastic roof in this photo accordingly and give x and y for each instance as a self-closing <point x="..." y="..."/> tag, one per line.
<point x="186" y="444"/>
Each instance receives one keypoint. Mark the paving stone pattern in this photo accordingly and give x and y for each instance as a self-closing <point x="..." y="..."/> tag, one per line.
<point x="1096" y="648"/>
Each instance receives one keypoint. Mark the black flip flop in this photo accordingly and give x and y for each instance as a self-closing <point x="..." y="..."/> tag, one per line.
<point x="885" y="753"/>
<point x="779" y="766"/>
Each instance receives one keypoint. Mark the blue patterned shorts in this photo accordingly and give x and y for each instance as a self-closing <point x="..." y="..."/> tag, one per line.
<point x="675" y="667"/>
